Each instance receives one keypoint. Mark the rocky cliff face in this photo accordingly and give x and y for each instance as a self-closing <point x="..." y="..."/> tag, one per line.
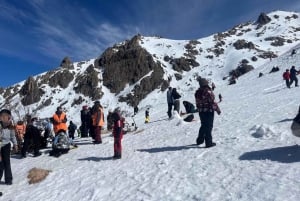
<point x="129" y="63"/>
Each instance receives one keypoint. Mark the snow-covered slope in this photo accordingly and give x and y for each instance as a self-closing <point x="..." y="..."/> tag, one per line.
<point x="256" y="157"/>
<point x="215" y="54"/>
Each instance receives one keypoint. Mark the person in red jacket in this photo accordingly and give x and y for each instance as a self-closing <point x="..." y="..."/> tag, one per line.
<point x="118" y="134"/>
<point x="286" y="77"/>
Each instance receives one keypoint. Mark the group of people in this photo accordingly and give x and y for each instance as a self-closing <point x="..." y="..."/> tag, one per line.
<point x="205" y="106"/>
<point x="290" y="75"/>
<point x="24" y="136"/>
<point x="173" y="99"/>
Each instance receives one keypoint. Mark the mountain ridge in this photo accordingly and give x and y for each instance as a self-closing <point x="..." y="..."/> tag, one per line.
<point x="131" y="71"/>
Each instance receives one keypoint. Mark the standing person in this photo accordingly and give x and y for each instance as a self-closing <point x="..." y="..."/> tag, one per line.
<point x="59" y="123"/>
<point x="205" y="102"/>
<point x="20" y="132"/>
<point x="72" y="128"/>
<point x="176" y="96"/>
<point x="135" y="110"/>
<point x="147" y="116"/>
<point x="7" y="135"/>
<point x="118" y="135"/>
<point x="286" y="77"/>
<point x="213" y="86"/>
<point x="85" y="116"/>
<point x="32" y="135"/>
<point x="110" y="120"/>
<point x="220" y="98"/>
<point x="98" y="121"/>
<point x="293" y="76"/>
<point x="170" y="102"/>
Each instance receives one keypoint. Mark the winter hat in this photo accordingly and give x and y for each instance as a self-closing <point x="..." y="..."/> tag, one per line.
<point x="203" y="82"/>
<point x="5" y="111"/>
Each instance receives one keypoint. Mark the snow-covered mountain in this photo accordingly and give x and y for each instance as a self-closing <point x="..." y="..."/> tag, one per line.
<point x="133" y="72"/>
<point x="256" y="157"/>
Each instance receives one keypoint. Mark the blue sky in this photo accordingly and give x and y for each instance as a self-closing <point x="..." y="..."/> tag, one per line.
<point x="35" y="35"/>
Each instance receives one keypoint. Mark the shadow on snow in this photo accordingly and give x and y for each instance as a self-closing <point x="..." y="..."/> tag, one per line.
<point x="290" y="154"/>
<point x="169" y="148"/>
<point x="96" y="159"/>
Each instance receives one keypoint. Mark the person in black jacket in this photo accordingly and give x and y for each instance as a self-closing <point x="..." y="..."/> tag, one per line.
<point x="293" y="76"/>
<point x="176" y="96"/>
<point x="32" y="135"/>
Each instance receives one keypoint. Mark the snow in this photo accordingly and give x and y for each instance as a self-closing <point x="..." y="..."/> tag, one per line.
<point x="256" y="157"/>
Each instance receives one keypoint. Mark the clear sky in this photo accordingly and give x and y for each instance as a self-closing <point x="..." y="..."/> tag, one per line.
<point x="35" y="35"/>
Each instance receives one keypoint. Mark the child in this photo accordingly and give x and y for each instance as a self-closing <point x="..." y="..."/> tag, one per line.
<point x="147" y="117"/>
<point x="7" y="133"/>
<point x="118" y="135"/>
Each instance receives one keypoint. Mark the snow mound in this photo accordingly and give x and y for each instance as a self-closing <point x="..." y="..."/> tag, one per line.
<point x="263" y="131"/>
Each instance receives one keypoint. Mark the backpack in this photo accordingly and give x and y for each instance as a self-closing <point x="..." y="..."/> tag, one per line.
<point x="63" y="142"/>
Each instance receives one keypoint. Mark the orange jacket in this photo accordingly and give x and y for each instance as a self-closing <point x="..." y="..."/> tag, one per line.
<point x="98" y="117"/>
<point x="20" y="130"/>
<point x="60" y="122"/>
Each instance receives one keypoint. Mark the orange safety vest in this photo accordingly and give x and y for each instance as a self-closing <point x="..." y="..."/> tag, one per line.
<point x="94" y="118"/>
<point x="60" y="125"/>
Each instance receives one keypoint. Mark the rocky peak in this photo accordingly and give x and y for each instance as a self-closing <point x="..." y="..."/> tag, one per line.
<point x="262" y="20"/>
<point x="67" y="63"/>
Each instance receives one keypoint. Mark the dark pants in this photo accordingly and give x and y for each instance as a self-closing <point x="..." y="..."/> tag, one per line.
<point x="287" y="82"/>
<point x="5" y="163"/>
<point x="84" y="130"/>
<point x="294" y="79"/>
<point x="98" y="134"/>
<point x="117" y="146"/>
<point x="170" y="107"/>
<point x="177" y="105"/>
<point x="207" y="119"/>
<point x="34" y="141"/>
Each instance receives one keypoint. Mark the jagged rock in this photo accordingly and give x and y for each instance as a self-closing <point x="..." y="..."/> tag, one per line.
<point x="178" y="76"/>
<point x="61" y="78"/>
<point x="276" y="41"/>
<point x="87" y="84"/>
<point x="30" y="92"/>
<point x="128" y="63"/>
<point x="242" y="44"/>
<point x="1" y="90"/>
<point x="77" y="101"/>
<point x="67" y="63"/>
<point x="254" y="58"/>
<point x="262" y="20"/>
<point x="241" y="69"/>
<point x="268" y="55"/>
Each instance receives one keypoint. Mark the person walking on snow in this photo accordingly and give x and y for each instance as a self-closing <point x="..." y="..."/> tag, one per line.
<point x="286" y="77"/>
<point x="293" y="76"/>
<point x="170" y="102"/>
<point x="118" y="135"/>
<point x="205" y="102"/>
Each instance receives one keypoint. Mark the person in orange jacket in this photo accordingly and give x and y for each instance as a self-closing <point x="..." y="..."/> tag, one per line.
<point x="20" y="132"/>
<point x="59" y="121"/>
<point x="98" y="121"/>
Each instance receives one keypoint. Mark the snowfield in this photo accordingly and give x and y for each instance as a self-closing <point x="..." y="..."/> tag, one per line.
<point x="256" y="157"/>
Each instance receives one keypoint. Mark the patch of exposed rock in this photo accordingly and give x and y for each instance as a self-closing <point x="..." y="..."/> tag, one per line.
<point x="87" y="84"/>
<point x="129" y="63"/>
<point x="30" y="92"/>
<point x="61" y="78"/>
